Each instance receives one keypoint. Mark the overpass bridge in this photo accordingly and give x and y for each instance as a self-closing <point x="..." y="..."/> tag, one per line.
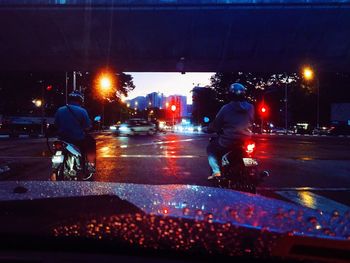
<point x="175" y="35"/>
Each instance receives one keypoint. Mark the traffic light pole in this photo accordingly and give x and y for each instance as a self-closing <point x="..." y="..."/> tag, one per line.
<point x="318" y="102"/>
<point x="286" y="107"/>
<point x="42" y="109"/>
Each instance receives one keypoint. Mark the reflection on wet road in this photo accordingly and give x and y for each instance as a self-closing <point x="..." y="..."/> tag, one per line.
<point x="296" y="164"/>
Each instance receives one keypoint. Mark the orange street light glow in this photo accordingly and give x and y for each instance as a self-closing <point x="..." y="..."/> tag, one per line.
<point x="105" y="83"/>
<point x="308" y="73"/>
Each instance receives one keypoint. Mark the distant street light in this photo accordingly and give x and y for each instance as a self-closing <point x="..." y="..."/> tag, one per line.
<point x="38" y="103"/>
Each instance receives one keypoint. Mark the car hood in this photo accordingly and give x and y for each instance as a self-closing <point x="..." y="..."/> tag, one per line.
<point x="217" y="210"/>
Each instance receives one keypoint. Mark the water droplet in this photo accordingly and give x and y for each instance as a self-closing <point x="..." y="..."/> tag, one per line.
<point x="290" y="233"/>
<point x="249" y="211"/>
<point x="335" y="214"/>
<point x="186" y="211"/>
<point x="279" y="216"/>
<point x="312" y="220"/>
<point x="326" y="231"/>
<point x="264" y="229"/>
<point x="199" y="214"/>
<point x="291" y="212"/>
<point x="234" y="213"/>
<point x="209" y="217"/>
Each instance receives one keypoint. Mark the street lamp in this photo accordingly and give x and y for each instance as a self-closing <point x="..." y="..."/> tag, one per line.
<point x="286" y="102"/>
<point x="309" y="75"/>
<point x="104" y="83"/>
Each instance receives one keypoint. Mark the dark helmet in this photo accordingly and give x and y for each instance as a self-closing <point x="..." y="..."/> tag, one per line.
<point x="237" y="91"/>
<point x="76" y="96"/>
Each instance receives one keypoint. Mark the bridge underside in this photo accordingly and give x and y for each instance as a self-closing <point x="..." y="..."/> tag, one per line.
<point x="176" y="38"/>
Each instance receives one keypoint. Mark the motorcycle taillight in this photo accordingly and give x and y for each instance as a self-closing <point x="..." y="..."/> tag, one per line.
<point x="58" y="146"/>
<point x="250" y="147"/>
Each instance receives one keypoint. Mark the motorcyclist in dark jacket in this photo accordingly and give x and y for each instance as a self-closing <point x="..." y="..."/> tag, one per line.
<point x="232" y="123"/>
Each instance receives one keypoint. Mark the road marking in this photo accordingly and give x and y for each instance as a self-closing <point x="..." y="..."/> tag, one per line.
<point x="160" y="142"/>
<point x="314" y="201"/>
<point x="152" y="156"/>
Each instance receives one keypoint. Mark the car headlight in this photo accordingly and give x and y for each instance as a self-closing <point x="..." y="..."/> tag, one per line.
<point x="113" y="128"/>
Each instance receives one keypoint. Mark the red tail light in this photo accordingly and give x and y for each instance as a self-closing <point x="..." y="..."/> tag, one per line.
<point x="250" y="147"/>
<point x="58" y="146"/>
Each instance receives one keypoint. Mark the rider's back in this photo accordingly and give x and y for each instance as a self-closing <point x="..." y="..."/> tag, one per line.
<point x="72" y="122"/>
<point x="233" y="121"/>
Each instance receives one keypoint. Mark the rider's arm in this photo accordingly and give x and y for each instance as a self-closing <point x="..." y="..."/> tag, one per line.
<point x="86" y="121"/>
<point x="218" y="122"/>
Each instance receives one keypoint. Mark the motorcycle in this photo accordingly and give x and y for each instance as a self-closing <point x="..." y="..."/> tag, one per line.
<point x="239" y="168"/>
<point x="68" y="163"/>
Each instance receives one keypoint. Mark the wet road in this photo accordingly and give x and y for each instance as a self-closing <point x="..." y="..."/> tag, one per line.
<point x="311" y="171"/>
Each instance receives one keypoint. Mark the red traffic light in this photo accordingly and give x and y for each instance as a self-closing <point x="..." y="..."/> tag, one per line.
<point x="173" y="108"/>
<point x="49" y="88"/>
<point x="263" y="110"/>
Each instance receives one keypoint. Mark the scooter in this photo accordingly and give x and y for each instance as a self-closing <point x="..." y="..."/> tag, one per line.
<point x="68" y="163"/>
<point x="239" y="168"/>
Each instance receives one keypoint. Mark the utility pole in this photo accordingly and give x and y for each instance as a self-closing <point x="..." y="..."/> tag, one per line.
<point x="318" y="102"/>
<point x="74" y="80"/>
<point x="286" y="105"/>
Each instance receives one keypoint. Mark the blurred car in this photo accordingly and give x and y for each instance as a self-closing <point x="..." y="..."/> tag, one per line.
<point x="278" y="130"/>
<point x="134" y="127"/>
<point x="323" y="130"/>
<point x="188" y="128"/>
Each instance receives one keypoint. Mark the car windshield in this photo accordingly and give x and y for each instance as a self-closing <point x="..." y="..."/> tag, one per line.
<point x="221" y="126"/>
